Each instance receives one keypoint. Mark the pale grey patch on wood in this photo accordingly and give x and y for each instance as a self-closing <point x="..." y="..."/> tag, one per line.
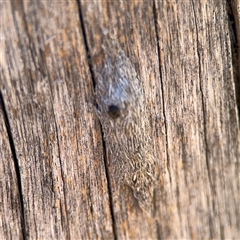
<point x="124" y="116"/>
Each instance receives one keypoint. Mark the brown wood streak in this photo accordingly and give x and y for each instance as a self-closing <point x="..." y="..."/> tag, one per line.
<point x="181" y="51"/>
<point x="127" y="24"/>
<point x="202" y="118"/>
<point x="10" y="208"/>
<point x="48" y="93"/>
<point x="234" y="23"/>
<point x="196" y="86"/>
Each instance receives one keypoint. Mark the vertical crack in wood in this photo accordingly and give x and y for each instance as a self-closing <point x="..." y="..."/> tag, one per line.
<point x="85" y="42"/>
<point x="32" y="89"/>
<point x="16" y="164"/>
<point x="108" y="178"/>
<point x="109" y="186"/>
<point x="162" y="88"/>
<point x="234" y="30"/>
<point x="211" y="223"/>
<point x="233" y="11"/>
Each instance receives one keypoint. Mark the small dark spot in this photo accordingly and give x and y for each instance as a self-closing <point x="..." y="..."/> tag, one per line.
<point x="97" y="107"/>
<point x="113" y="111"/>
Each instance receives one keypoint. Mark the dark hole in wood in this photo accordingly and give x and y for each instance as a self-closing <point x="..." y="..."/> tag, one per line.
<point x="113" y="111"/>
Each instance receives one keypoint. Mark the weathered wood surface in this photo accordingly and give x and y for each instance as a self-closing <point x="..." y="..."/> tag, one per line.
<point x="48" y="92"/>
<point x="234" y="17"/>
<point x="57" y="165"/>
<point x="10" y="205"/>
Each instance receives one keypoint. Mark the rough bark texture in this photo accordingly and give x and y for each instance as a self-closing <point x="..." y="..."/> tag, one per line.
<point x="56" y="171"/>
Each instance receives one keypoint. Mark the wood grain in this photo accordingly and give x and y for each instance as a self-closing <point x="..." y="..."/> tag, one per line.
<point x="233" y="8"/>
<point x="48" y="93"/>
<point x="11" y="222"/>
<point x="201" y="115"/>
<point x="192" y="92"/>
<point x="134" y="30"/>
<point x="182" y="53"/>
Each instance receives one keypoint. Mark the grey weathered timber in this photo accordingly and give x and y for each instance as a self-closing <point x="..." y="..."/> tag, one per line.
<point x="57" y="174"/>
<point x="47" y="89"/>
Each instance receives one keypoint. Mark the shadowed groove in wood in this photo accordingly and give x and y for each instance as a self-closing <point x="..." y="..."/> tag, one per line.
<point x="109" y="187"/>
<point x="234" y="22"/>
<point x="111" y="205"/>
<point x="85" y="42"/>
<point x="16" y="164"/>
